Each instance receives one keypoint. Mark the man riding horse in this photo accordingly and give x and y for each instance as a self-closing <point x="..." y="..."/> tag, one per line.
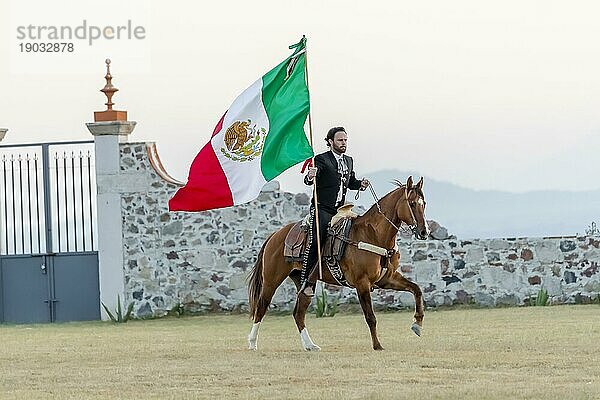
<point x="370" y="259"/>
<point x="334" y="175"/>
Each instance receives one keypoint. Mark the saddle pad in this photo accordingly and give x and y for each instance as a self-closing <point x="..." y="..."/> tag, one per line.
<point x="295" y="242"/>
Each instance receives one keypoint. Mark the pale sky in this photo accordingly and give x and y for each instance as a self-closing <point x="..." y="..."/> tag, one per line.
<point x="485" y="94"/>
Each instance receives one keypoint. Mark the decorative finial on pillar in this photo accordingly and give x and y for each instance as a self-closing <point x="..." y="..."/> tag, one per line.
<point x="109" y="90"/>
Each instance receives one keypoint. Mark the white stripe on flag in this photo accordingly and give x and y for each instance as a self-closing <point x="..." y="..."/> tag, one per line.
<point x="245" y="178"/>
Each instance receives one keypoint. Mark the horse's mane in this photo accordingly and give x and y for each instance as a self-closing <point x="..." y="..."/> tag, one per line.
<point x="400" y="185"/>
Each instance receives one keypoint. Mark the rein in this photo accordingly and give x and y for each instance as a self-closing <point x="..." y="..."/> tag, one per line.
<point x="411" y="228"/>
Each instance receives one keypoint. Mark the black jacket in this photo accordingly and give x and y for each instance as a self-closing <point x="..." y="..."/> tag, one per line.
<point x="328" y="180"/>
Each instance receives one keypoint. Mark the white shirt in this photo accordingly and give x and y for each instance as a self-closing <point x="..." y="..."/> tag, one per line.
<point x="339" y="157"/>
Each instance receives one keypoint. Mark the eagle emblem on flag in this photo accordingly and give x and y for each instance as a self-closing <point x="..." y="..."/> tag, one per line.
<point x="243" y="141"/>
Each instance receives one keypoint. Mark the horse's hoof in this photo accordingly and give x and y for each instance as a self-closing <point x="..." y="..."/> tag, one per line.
<point x="378" y="348"/>
<point x="251" y="346"/>
<point x="416" y="329"/>
<point x="312" y="347"/>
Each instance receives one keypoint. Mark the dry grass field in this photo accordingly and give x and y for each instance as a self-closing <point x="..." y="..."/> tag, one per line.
<point x="512" y="353"/>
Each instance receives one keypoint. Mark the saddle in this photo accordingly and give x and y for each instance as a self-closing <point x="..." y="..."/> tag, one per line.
<point x="335" y="244"/>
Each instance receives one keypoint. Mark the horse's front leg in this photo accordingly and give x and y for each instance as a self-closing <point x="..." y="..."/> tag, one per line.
<point x="364" y="295"/>
<point x="397" y="282"/>
<point x="302" y="303"/>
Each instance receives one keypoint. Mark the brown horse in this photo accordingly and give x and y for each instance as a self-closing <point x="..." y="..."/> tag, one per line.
<point x="363" y="269"/>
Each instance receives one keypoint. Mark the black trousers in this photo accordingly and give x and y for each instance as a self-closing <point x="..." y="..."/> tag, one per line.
<point x="325" y="215"/>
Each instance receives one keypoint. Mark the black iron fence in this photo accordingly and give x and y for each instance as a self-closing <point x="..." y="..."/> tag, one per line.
<point x="47" y="198"/>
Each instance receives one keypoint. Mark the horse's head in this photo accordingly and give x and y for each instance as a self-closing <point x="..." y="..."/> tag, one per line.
<point x="411" y="208"/>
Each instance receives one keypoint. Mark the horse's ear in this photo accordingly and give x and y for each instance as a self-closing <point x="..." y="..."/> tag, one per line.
<point x="420" y="184"/>
<point x="409" y="183"/>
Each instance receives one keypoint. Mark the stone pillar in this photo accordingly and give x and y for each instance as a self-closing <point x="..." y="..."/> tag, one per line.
<point x="3" y="133"/>
<point x="107" y="136"/>
<point x="110" y="127"/>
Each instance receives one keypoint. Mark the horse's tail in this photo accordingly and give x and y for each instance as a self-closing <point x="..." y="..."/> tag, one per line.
<point x="255" y="280"/>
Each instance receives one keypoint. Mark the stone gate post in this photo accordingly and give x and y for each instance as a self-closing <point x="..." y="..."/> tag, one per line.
<point x="110" y="127"/>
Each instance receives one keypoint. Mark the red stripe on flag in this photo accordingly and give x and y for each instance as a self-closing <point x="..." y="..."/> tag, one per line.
<point x="207" y="186"/>
<point x="219" y="125"/>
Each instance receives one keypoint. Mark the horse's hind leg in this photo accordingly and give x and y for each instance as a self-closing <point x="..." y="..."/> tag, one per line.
<point x="268" y="291"/>
<point x="364" y="295"/>
<point x="397" y="282"/>
<point x="271" y="265"/>
<point x="264" y="301"/>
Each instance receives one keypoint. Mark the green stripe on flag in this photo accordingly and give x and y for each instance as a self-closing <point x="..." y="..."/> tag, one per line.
<point x="286" y="102"/>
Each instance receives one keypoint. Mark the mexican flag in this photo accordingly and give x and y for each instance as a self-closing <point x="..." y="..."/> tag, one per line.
<point x="259" y="136"/>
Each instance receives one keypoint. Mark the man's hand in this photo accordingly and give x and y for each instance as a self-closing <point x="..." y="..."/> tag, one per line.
<point x="312" y="172"/>
<point x="364" y="184"/>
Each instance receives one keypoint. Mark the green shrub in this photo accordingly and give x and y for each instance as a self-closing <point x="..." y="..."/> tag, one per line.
<point x="541" y="299"/>
<point x="326" y="306"/>
<point x="177" y="310"/>
<point x="119" y="317"/>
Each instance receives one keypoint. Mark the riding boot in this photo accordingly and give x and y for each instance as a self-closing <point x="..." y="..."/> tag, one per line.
<point x="309" y="271"/>
<point x="309" y="279"/>
<point x="309" y="259"/>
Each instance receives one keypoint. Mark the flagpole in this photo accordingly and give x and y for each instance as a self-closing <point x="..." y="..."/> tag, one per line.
<point x="313" y="164"/>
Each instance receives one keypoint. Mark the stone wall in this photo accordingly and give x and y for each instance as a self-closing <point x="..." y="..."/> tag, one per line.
<point x="498" y="272"/>
<point x="201" y="260"/>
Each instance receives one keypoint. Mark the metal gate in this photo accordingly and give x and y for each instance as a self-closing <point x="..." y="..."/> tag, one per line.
<point x="48" y="251"/>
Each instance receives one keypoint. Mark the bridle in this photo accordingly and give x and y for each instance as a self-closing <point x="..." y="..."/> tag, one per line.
<point x="410" y="228"/>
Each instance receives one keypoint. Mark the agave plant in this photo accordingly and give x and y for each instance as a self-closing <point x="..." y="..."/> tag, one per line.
<point x="119" y="317"/>
<point x="326" y="307"/>
<point x="541" y="299"/>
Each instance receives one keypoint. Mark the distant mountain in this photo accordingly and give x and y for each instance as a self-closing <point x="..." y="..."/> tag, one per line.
<point x="485" y="214"/>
